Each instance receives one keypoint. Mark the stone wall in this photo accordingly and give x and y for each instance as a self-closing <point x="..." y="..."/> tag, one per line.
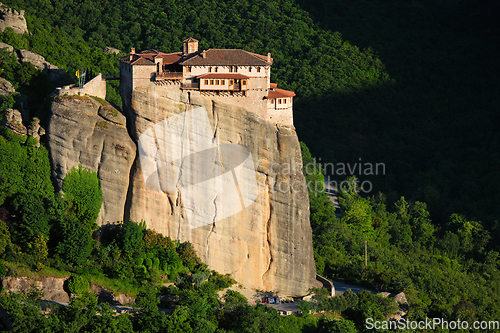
<point x="95" y="87"/>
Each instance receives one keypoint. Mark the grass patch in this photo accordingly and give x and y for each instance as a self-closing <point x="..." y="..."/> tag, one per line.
<point x="20" y="269"/>
<point x="116" y="286"/>
<point x="100" y="100"/>
<point x="102" y="124"/>
<point x="81" y="98"/>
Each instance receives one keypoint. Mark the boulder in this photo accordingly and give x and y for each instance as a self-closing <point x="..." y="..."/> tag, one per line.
<point x="9" y="48"/>
<point x="35" y="130"/>
<point x="13" y="19"/>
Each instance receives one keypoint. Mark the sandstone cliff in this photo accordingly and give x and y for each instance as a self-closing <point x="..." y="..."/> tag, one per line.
<point x="254" y="225"/>
<point x="82" y="131"/>
<point x="267" y="244"/>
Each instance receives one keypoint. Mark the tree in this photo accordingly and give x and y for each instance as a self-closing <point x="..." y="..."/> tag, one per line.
<point x="83" y="201"/>
<point x="232" y="299"/>
<point x="83" y="194"/>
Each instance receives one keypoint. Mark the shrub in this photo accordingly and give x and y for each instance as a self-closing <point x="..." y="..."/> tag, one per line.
<point x="78" y="285"/>
<point x="221" y="281"/>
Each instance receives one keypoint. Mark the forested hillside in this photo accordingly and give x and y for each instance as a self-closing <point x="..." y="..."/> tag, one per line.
<point x="411" y="84"/>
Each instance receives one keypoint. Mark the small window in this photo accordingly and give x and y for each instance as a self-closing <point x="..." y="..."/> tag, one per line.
<point x="258" y="69"/>
<point x="206" y="82"/>
<point x="250" y="69"/>
<point x="231" y="82"/>
<point x="188" y="69"/>
<point x="210" y="69"/>
<point x="211" y="82"/>
<point x="236" y="69"/>
<point x="216" y="82"/>
<point x="244" y="82"/>
<point x="230" y="69"/>
<point x="279" y="100"/>
<point x="216" y="69"/>
<point x="222" y="82"/>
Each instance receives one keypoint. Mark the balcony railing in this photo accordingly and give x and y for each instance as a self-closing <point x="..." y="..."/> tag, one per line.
<point x="169" y="76"/>
<point x="190" y="85"/>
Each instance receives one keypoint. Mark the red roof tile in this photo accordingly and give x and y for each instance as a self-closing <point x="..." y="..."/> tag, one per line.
<point x="279" y="93"/>
<point x="220" y="57"/>
<point x="223" y="76"/>
<point x="273" y="85"/>
<point x="213" y="57"/>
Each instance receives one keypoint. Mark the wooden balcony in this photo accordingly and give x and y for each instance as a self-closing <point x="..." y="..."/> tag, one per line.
<point x="168" y="76"/>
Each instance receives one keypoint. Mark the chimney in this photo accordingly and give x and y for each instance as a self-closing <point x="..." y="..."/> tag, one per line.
<point x="204" y="54"/>
<point x="269" y="57"/>
<point x="190" y="46"/>
<point x="132" y="50"/>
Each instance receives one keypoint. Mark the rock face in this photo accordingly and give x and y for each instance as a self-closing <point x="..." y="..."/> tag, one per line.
<point x="77" y="134"/>
<point x="13" y="19"/>
<point x="254" y="225"/>
<point x="267" y="244"/>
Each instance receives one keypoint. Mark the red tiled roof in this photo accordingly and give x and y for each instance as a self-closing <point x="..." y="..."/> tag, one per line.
<point x="190" y="39"/>
<point x="279" y="93"/>
<point x="220" y="57"/>
<point x="223" y="76"/>
<point x="148" y="57"/>
<point x="137" y="60"/>
<point x="213" y="57"/>
<point x="273" y="85"/>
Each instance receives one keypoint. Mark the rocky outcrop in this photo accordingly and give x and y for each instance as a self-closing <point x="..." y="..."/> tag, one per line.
<point x="56" y="75"/>
<point x="402" y="302"/>
<point x="53" y="288"/>
<point x="267" y="244"/>
<point x="111" y="50"/>
<point x="77" y="134"/>
<point x="13" y="19"/>
<point x="9" y="48"/>
<point x="13" y="120"/>
<point x="6" y="88"/>
<point x="35" y="130"/>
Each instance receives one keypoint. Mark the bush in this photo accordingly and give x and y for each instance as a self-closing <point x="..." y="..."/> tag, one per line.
<point x="78" y="285"/>
<point x="82" y="191"/>
<point x="221" y="281"/>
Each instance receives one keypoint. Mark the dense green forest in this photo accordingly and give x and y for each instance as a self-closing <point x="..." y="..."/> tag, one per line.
<point x="411" y="84"/>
